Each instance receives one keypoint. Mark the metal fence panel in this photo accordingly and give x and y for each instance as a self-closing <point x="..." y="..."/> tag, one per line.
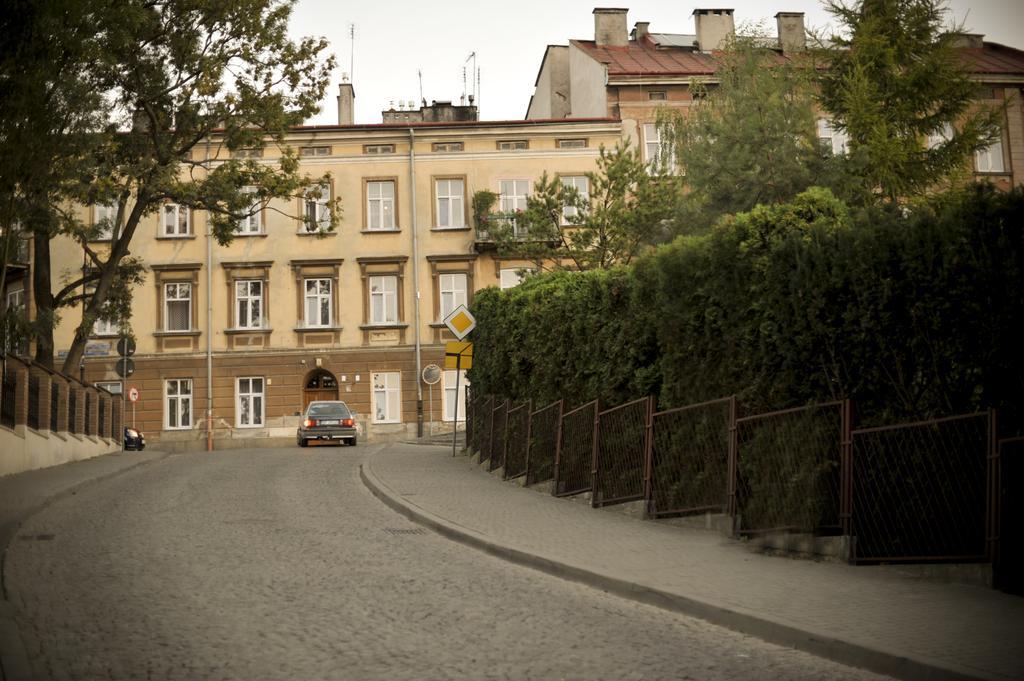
<point x="788" y="470"/>
<point x="484" y="428"/>
<point x="575" y="455"/>
<point x="920" y="490"/>
<point x="89" y="429"/>
<point x="102" y="424"/>
<point x="54" y="405"/>
<point x="470" y="404"/>
<point x="540" y="458"/>
<point x="690" y="459"/>
<point x="1008" y="568"/>
<point x="499" y="421"/>
<point x="33" y="402"/>
<point x="517" y="438"/>
<point x="72" y="410"/>
<point x="8" y="395"/>
<point x="620" y="453"/>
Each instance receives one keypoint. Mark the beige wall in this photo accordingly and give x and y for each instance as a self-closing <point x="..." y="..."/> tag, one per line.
<point x="284" y="354"/>
<point x="552" y="95"/>
<point x="26" y="449"/>
<point x="587" y="77"/>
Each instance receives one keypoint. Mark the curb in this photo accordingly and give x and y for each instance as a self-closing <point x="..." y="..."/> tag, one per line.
<point x="14" y="664"/>
<point x="848" y="653"/>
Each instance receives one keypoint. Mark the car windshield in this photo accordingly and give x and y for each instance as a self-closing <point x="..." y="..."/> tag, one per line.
<point x="337" y="409"/>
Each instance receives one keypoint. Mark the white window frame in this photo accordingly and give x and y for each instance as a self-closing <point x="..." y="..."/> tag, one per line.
<point x="990" y="159"/>
<point x="105" y="211"/>
<point x="317" y="208"/>
<point x="837" y="140"/>
<point x="112" y="387"/>
<point x="653" y="149"/>
<point x="317" y="297"/>
<point x="181" y="218"/>
<point x="449" y="394"/>
<point x="177" y="288"/>
<point x="453" y="202"/>
<point x="250" y="299"/>
<point x="16" y="299"/>
<point x="386" y="390"/>
<point x="256" y="399"/>
<point x="582" y="185"/>
<point x="453" y="290"/>
<point x="512" y="198"/>
<point x="387" y="294"/>
<point x="513" y="145"/>
<point x="174" y="403"/>
<point x="510" y="277"/>
<point x="385" y="206"/>
<point x="940" y="136"/>
<point x="106" y="327"/>
<point x="251" y="224"/>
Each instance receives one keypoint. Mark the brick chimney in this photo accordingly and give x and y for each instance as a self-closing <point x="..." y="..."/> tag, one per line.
<point x="641" y="30"/>
<point x="971" y="40"/>
<point x="610" y="27"/>
<point x="792" y="37"/>
<point x="346" y="102"/>
<point x="713" y="27"/>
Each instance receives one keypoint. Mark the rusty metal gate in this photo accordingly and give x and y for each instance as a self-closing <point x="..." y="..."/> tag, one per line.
<point x="575" y="454"/>
<point x="544" y="437"/>
<point x="620" y="452"/>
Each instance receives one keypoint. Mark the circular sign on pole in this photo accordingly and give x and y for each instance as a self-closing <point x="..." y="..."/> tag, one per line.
<point x="126" y="347"/>
<point x="125" y="367"/>
<point x="431" y="374"/>
<point x="133" y="394"/>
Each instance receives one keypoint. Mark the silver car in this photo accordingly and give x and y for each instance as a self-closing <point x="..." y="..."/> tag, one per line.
<point x="327" y="421"/>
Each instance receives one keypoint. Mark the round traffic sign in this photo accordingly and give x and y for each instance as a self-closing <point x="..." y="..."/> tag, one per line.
<point x="126" y="347"/>
<point x="133" y="394"/>
<point x="125" y="367"/>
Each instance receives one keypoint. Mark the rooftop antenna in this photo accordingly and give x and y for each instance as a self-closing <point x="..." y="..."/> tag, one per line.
<point x="419" y="72"/>
<point x="463" y="102"/>
<point x="352" y="54"/>
<point x="474" y="72"/>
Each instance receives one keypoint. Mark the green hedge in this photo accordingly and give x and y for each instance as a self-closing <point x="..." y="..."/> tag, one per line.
<point x="911" y="315"/>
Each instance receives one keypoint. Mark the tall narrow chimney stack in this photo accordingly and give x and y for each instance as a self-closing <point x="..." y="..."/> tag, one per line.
<point x="792" y="37"/>
<point x="714" y="26"/>
<point x="610" y="27"/>
<point x="346" y="102"/>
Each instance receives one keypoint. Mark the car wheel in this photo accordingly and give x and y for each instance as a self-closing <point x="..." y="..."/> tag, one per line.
<point x="303" y="442"/>
<point x="352" y="442"/>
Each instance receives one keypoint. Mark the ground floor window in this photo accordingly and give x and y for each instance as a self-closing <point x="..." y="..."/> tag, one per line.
<point x="450" y="394"/>
<point x="178" y="401"/>
<point x="112" y="387"/>
<point x="387" y="397"/>
<point x="249" y="402"/>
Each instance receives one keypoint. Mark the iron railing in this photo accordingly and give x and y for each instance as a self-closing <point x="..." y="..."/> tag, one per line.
<point x="921" y="491"/>
<point x="54" y="405"/>
<point x="90" y="429"/>
<point x="484" y="428"/>
<point x="517" y="440"/>
<point x="691" y="459"/>
<point x="33" y="402"/>
<point x="788" y="470"/>
<point x="8" y="396"/>
<point x="116" y="429"/>
<point x="545" y="426"/>
<point x="499" y="420"/>
<point x="102" y="423"/>
<point x="73" y="410"/>
<point x="470" y="404"/>
<point x="575" y="454"/>
<point x="620" y="453"/>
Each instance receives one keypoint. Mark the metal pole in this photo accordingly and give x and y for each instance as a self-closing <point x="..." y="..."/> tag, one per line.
<point x="416" y="283"/>
<point x="209" y="326"/>
<point x="455" y="423"/>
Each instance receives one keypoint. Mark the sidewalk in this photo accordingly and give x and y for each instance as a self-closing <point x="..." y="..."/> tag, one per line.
<point x="865" y="617"/>
<point x="23" y="494"/>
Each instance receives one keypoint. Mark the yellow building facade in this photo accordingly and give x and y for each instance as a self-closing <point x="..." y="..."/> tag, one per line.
<point x="233" y="341"/>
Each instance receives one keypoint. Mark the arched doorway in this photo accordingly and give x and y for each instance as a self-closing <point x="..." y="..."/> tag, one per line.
<point x="320" y="385"/>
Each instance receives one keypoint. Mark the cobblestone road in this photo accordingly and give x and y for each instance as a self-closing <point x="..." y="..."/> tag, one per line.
<point x="278" y="564"/>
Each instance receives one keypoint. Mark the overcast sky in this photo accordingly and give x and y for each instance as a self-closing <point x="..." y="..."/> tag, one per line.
<point x="396" y="38"/>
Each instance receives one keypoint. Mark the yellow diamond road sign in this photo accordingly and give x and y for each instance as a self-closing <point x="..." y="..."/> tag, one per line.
<point x="460" y="322"/>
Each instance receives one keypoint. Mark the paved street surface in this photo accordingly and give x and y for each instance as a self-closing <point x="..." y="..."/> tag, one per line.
<point x="870" y="616"/>
<point x="280" y="564"/>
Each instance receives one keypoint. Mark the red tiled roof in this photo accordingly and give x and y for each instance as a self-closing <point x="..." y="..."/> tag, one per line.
<point x="994" y="58"/>
<point x="642" y="58"/>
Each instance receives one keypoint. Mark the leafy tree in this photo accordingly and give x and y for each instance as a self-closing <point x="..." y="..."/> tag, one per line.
<point x="894" y="79"/>
<point x="146" y="94"/>
<point x="751" y="139"/>
<point x="623" y="212"/>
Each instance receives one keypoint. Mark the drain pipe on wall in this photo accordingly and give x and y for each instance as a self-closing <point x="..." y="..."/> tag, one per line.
<point x="416" y="283"/>
<point x="209" y="321"/>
